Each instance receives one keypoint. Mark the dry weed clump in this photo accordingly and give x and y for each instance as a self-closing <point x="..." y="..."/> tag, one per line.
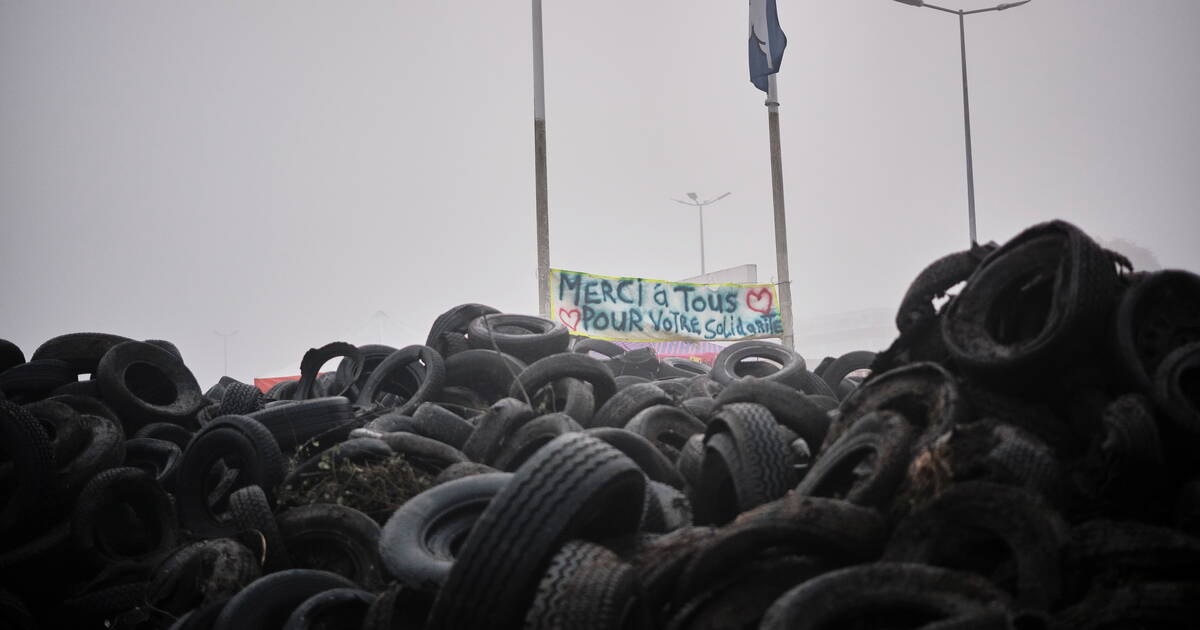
<point x="373" y="488"/>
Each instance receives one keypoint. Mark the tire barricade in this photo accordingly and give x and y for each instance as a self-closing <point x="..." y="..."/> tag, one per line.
<point x="1022" y="456"/>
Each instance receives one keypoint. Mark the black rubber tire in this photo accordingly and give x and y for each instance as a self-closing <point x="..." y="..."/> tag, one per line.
<point x="626" y="403"/>
<point x="418" y="542"/>
<point x="104" y="448"/>
<point x="701" y="407"/>
<point x="690" y="462"/>
<point x="587" y="587"/>
<point x="236" y="440"/>
<point x="1032" y="307"/>
<point x="525" y="337"/>
<point x="334" y="608"/>
<point x="501" y="419"/>
<point x="966" y="526"/>
<point x="454" y="320"/>
<point x="845" y="364"/>
<point x="267" y="602"/>
<point x="738" y="599"/>
<point x="424" y="454"/>
<point x="35" y="380"/>
<point x="679" y="366"/>
<point x="144" y="383"/>
<point x="398" y="608"/>
<point x="567" y="395"/>
<point x="172" y="433"/>
<point x="351" y="375"/>
<point x="487" y="372"/>
<point x="26" y="445"/>
<point x="521" y="444"/>
<point x="240" y="399"/>
<point x="653" y="463"/>
<point x="159" y="458"/>
<point x="1177" y="389"/>
<point x="461" y="470"/>
<point x="436" y="422"/>
<point x="311" y="364"/>
<point x="82" y="351"/>
<point x="666" y="426"/>
<point x="702" y="386"/>
<point x="251" y="511"/>
<point x="790" y="408"/>
<point x="926" y="394"/>
<point x="63" y="426"/>
<point x="865" y="465"/>
<point x="201" y="573"/>
<point x="725" y="367"/>
<point x="764" y="469"/>
<point x="624" y="381"/>
<point x="295" y="423"/>
<point x="106" y="535"/>
<point x="545" y="371"/>
<point x="10" y="355"/>
<point x="333" y="538"/>
<point x="602" y="347"/>
<point x="859" y="594"/>
<point x="283" y="390"/>
<point x="574" y="487"/>
<point x="430" y="386"/>
<point x="667" y="509"/>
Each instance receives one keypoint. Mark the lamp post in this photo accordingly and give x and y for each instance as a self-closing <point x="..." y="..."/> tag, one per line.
<point x="695" y="201"/>
<point x="962" y="45"/>
<point x="225" y="348"/>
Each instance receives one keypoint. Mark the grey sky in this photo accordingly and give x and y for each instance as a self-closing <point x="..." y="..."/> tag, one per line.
<point x="287" y="170"/>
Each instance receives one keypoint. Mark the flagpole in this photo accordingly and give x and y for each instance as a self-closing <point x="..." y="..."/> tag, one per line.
<point x="781" y="250"/>
<point x="539" y="150"/>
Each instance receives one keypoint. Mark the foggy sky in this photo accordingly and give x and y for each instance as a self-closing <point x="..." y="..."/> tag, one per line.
<point x="289" y="170"/>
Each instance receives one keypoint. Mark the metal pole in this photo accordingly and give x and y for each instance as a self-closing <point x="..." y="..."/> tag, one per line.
<point x="225" y="349"/>
<point x="539" y="150"/>
<point x="781" y="251"/>
<point x="962" y="43"/>
<point x="700" y="209"/>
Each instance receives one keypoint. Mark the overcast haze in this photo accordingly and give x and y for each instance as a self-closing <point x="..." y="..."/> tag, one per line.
<point x="290" y="169"/>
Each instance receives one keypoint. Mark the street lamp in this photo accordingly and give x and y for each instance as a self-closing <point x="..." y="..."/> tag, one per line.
<point x="225" y="347"/>
<point x="962" y="44"/>
<point x="695" y="201"/>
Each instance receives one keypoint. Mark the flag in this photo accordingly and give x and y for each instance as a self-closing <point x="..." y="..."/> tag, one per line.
<point x="767" y="42"/>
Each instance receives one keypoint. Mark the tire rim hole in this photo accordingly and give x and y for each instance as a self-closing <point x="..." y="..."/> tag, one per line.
<point x="1189" y="386"/>
<point x="1024" y="308"/>
<point x="151" y="384"/>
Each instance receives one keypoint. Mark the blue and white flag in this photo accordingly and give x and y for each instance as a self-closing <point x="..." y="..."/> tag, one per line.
<point x="767" y="42"/>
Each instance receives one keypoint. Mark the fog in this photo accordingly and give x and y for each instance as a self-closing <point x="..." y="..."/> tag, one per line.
<point x="305" y="172"/>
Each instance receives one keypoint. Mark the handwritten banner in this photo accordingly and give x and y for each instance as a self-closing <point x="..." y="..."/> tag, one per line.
<point x="640" y="309"/>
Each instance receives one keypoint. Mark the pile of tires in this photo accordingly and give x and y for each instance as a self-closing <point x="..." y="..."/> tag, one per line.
<point x="1022" y="456"/>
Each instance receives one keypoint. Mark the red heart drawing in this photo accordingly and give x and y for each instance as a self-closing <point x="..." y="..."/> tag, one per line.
<point x="570" y="318"/>
<point x="760" y="300"/>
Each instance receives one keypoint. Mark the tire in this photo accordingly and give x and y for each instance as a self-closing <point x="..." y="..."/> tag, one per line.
<point x="10" y="355"/>
<point x="311" y="364"/>
<point x="435" y="422"/>
<point x="790" y="408"/>
<point x="679" y="366"/>
<point x="1177" y="389"/>
<point x="351" y="375"/>
<point x="956" y="530"/>
<point x="626" y="404"/>
<point x="856" y="595"/>
<point x="240" y="399"/>
<point x="701" y="407"/>
<point x="418" y="542"/>
<point x="454" y="320"/>
<point x="739" y="598"/>
<point x="398" y="608"/>
<point x="667" y="509"/>
<point x="336" y="607"/>
<point x="501" y="419"/>
<point x="28" y="448"/>
<point x="82" y="351"/>
<point x="424" y="454"/>
<point x="1032" y="307"/>
<point x="166" y="431"/>
<point x="916" y="307"/>
<point x="926" y="394"/>
<point x="35" y="380"/>
<point x="104" y="448"/>
<point x="251" y="511"/>
<point x="1151" y="321"/>
<point x="525" y="337"/>
<point x="881" y="441"/>
<point x="666" y="426"/>
<point x="525" y="441"/>
<point x="653" y="463"/>
<point x="587" y="587"/>
<point x="269" y="601"/>
<point x="296" y="423"/>
<point x="487" y="372"/>
<point x="142" y="530"/>
<point x="813" y="385"/>
<point x="201" y="573"/>
<point x="761" y="464"/>
<point x="567" y="395"/>
<point x="430" y="386"/>
<point x="144" y="383"/>
<point x="159" y="458"/>
<point x="333" y="538"/>
<point x="845" y="364"/>
<point x="63" y="426"/>
<point x="602" y="347"/>
<point x="242" y="445"/>
<point x="574" y="487"/>
<point x="725" y="367"/>
<point x="545" y="371"/>
<point x="282" y="390"/>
